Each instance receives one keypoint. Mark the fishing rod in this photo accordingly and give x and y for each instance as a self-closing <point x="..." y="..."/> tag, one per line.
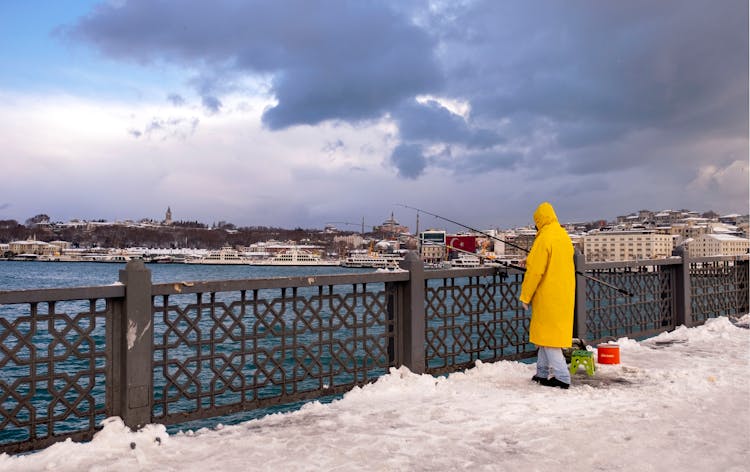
<point x="492" y="258"/>
<point x="593" y="279"/>
<point x="464" y="226"/>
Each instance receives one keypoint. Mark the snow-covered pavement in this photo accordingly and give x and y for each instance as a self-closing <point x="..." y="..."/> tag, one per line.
<point x="679" y="401"/>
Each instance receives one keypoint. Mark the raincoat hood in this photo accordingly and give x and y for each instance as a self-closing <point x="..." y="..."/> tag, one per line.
<point x="544" y="215"/>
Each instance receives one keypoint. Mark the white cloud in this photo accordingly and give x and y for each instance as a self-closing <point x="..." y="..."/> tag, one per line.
<point x="731" y="180"/>
<point x="456" y="106"/>
<point x="224" y="166"/>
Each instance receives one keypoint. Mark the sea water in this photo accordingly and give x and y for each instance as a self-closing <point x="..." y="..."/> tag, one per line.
<point x="16" y="275"/>
<point x="23" y="275"/>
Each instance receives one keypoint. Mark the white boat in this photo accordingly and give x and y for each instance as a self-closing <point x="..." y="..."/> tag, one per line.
<point x="296" y="257"/>
<point x="465" y="260"/>
<point x="224" y="256"/>
<point x="114" y="258"/>
<point x="374" y="260"/>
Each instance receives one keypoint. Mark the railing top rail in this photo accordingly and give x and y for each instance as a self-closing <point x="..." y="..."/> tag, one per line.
<point x="467" y="272"/>
<point x="173" y="288"/>
<point x="742" y="257"/>
<point x="8" y="297"/>
<point x="672" y="260"/>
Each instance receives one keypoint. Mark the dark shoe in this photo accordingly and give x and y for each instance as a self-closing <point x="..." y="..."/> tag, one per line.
<point x="553" y="382"/>
<point x="538" y="379"/>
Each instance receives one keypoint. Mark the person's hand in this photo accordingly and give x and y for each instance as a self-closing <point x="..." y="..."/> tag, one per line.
<point x="522" y="263"/>
<point x="525" y="306"/>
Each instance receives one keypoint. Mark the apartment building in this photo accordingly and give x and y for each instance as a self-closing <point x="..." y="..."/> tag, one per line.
<point x="616" y="246"/>
<point x="350" y="240"/>
<point x="524" y="239"/>
<point x="31" y="246"/>
<point x="433" y="253"/>
<point x="718" y="244"/>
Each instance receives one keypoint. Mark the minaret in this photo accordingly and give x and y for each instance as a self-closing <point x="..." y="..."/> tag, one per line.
<point x="416" y="235"/>
<point x="168" y="217"/>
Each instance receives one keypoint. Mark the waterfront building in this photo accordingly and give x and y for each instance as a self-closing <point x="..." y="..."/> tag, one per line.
<point x="350" y="240"/>
<point x="432" y="247"/>
<point x="667" y="217"/>
<point x="617" y="246"/>
<point x="690" y="228"/>
<point x="432" y="236"/>
<point x="523" y="238"/>
<point x="30" y="246"/>
<point x="577" y="241"/>
<point x="718" y="244"/>
<point x="432" y="253"/>
<point x="733" y="219"/>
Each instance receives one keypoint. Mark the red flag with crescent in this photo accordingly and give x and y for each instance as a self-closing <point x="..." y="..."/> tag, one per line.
<point x="464" y="243"/>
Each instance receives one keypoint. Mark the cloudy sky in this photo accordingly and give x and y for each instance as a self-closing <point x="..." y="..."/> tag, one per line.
<point x="301" y="112"/>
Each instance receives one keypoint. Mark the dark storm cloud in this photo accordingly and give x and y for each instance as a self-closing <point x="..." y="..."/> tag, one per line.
<point x="340" y="60"/>
<point x="595" y="73"/>
<point x="571" y="84"/>
<point x="431" y="122"/>
<point x="409" y="160"/>
<point x="487" y="161"/>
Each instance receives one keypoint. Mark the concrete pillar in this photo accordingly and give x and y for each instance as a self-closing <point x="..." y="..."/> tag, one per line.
<point x="135" y="331"/>
<point x="410" y="326"/>
<point x="682" y="290"/>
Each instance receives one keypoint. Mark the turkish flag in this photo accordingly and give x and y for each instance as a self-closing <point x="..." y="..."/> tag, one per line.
<point x="464" y="243"/>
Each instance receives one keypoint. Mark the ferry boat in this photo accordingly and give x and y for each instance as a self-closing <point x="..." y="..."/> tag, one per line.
<point x="296" y="257"/>
<point x="226" y="256"/>
<point x="373" y="260"/>
<point x="465" y="261"/>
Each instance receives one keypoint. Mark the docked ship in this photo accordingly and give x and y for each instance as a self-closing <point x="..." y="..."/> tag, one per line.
<point x="296" y="257"/>
<point x="373" y="260"/>
<point x="465" y="261"/>
<point x="224" y="256"/>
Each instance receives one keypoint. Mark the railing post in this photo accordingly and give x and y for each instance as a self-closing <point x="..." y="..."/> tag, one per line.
<point x="410" y="325"/>
<point x="682" y="292"/>
<point x="742" y="277"/>
<point x="579" y="313"/>
<point x="135" y="344"/>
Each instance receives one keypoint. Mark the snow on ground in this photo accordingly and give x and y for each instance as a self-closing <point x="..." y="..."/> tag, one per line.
<point x="679" y="401"/>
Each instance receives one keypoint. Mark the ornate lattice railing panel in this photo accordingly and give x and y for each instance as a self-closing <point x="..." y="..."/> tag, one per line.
<point x="475" y="317"/>
<point x="53" y="372"/>
<point x="718" y="288"/>
<point x="221" y="352"/>
<point x="650" y="310"/>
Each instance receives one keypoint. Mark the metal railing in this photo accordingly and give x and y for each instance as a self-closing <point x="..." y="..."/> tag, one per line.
<point x="176" y="352"/>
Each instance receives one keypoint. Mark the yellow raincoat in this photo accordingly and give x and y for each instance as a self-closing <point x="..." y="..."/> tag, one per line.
<point x="549" y="283"/>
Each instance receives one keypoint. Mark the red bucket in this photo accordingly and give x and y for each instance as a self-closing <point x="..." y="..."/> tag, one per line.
<point x="608" y="354"/>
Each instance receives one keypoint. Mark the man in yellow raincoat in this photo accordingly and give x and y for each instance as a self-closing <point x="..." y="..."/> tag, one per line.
<point x="549" y="287"/>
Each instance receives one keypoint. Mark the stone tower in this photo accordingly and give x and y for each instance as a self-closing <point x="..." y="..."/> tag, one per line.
<point x="168" y="217"/>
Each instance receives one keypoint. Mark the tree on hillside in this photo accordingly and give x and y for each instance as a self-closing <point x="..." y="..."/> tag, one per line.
<point x="8" y="224"/>
<point x="37" y="220"/>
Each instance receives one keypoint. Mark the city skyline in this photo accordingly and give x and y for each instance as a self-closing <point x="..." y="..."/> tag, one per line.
<point x="348" y="226"/>
<point x="298" y="113"/>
